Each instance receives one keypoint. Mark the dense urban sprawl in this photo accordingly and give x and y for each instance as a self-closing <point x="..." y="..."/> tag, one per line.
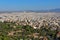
<point x="36" y="26"/>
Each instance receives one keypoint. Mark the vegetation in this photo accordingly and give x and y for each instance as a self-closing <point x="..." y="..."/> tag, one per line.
<point x="21" y="32"/>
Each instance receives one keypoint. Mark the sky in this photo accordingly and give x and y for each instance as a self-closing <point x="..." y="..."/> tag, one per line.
<point x="15" y="5"/>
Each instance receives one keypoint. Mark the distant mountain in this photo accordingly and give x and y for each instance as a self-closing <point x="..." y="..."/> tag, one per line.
<point x="44" y="11"/>
<point x="37" y="11"/>
<point x="55" y="10"/>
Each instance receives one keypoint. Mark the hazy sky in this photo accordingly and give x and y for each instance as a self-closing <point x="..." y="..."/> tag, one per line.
<point x="12" y="5"/>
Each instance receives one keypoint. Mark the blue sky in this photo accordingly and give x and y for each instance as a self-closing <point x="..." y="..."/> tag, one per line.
<point x="13" y="5"/>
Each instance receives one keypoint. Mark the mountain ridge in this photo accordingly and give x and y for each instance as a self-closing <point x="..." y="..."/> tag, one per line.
<point x="38" y="11"/>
